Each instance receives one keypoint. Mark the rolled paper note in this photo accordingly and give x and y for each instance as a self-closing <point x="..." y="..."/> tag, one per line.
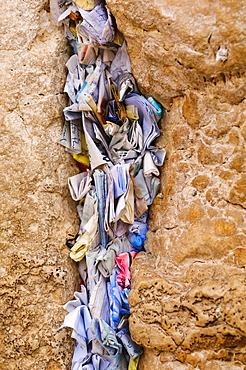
<point x="79" y="185"/>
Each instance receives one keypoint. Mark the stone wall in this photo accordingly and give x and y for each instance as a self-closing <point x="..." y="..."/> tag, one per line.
<point x="188" y="299"/>
<point x="36" y="275"/>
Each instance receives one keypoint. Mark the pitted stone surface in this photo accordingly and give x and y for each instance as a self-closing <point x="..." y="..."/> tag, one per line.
<point x="188" y="314"/>
<point x="178" y="44"/>
<point x="36" y="275"/>
<point x="188" y="298"/>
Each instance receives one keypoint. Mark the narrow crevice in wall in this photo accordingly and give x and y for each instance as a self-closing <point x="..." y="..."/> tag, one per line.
<point x="110" y="128"/>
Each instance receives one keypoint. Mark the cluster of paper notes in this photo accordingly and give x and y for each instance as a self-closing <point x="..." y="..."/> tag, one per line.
<point x="109" y="130"/>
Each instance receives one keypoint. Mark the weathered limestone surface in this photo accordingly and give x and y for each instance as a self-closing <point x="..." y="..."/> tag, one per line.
<point x="188" y="299"/>
<point x="36" y="274"/>
<point x="188" y="302"/>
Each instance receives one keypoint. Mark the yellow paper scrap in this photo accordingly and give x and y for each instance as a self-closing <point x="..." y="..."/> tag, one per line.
<point x="128" y="216"/>
<point x="82" y="157"/>
<point x="86" y="4"/>
<point x="85" y="240"/>
<point x="132" y="112"/>
<point x="119" y="38"/>
<point x="73" y="30"/>
<point x="133" y="364"/>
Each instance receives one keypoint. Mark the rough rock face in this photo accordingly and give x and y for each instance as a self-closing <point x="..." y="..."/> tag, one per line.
<point x="36" y="275"/>
<point x="188" y="299"/>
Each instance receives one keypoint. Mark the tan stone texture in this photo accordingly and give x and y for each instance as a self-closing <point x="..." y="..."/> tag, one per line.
<point x="36" y="275"/>
<point x="188" y="299"/>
